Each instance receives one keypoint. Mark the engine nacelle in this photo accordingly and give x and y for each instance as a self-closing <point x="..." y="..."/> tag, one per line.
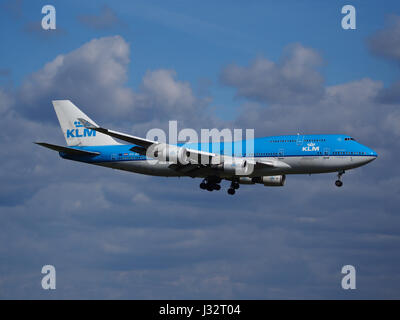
<point x="234" y="166"/>
<point x="172" y="154"/>
<point x="271" y="181"/>
<point x="246" y="180"/>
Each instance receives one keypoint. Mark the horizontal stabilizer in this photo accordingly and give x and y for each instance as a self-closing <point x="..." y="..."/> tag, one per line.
<point x="67" y="150"/>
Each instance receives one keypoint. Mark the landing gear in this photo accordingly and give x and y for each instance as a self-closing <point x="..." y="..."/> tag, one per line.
<point x="234" y="186"/>
<point x="211" y="184"/>
<point x="339" y="182"/>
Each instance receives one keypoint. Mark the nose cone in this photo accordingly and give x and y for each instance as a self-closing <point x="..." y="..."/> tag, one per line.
<point x="372" y="153"/>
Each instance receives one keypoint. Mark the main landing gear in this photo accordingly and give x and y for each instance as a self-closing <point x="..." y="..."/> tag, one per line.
<point x="339" y="182"/>
<point x="234" y="186"/>
<point x="213" y="183"/>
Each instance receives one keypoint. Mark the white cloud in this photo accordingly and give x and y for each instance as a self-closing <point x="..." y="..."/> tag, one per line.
<point x="94" y="77"/>
<point x="141" y="197"/>
<point x="386" y="42"/>
<point x="294" y="79"/>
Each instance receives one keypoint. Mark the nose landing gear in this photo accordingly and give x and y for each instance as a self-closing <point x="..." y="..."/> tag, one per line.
<point x="339" y="182"/>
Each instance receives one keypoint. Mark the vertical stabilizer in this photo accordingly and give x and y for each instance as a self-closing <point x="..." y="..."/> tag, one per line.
<point x="74" y="132"/>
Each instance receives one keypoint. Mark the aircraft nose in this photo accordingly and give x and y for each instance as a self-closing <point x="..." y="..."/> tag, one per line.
<point x="372" y="153"/>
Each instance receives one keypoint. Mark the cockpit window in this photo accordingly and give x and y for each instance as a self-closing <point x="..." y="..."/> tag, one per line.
<point x="349" y="139"/>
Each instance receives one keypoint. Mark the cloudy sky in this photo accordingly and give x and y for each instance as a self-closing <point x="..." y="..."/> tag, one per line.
<point x="278" y="67"/>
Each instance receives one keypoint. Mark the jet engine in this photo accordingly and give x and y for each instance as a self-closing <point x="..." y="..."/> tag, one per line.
<point x="171" y="153"/>
<point x="270" y="181"/>
<point x="234" y="166"/>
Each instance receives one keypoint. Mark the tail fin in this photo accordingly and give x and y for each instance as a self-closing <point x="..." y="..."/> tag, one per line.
<point x="74" y="132"/>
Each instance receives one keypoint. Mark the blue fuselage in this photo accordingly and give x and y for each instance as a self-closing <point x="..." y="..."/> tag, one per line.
<point x="303" y="153"/>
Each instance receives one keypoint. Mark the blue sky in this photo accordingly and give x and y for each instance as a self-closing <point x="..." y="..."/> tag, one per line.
<point x="278" y="67"/>
<point x="197" y="40"/>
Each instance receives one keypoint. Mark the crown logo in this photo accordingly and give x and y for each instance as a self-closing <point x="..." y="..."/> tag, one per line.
<point x="78" y="124"/>
<point x="311" y="144"/>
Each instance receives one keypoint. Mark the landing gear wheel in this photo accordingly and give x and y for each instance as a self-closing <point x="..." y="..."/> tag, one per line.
<point x="217" y="187"/>
<point x="231" y="191"/>
<point x="210" y="187"/>
<point x="235" y="185"/>
<point x="203" y="186"/>
<point x="338" y="183"/>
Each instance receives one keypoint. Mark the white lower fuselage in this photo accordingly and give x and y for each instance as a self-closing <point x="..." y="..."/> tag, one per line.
<point x="298" y="165"/>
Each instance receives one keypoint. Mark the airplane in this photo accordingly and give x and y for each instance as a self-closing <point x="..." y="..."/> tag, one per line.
<point x="270" y="161"/>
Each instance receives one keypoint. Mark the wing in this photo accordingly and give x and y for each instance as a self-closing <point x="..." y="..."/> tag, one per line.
<point x="122" y="136"/>
<point x="273" y="163"/>
<point x="143" y="144"/>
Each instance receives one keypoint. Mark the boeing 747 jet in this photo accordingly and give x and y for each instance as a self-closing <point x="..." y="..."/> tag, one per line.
<point x="268" y="162"/>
